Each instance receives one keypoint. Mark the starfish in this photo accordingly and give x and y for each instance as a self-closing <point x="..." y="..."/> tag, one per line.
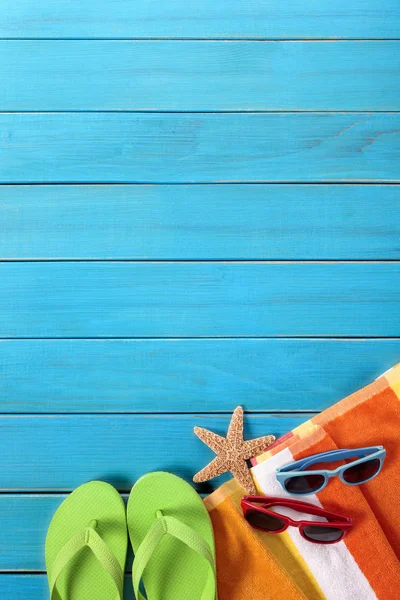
<point x="232" y="452"/>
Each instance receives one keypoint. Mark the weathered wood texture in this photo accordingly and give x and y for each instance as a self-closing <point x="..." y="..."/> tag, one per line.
<point x="204" y="375"/>
<point x="200" y="19"/>
<point x="199" y="76"/>
<point x="199" y="148"/>
<point x="35" y="587"/>
<point x="124" y="299"/>
<point x="200" y="222"/>
<point x="118" y="449"/>
<point x="25" y="518"/>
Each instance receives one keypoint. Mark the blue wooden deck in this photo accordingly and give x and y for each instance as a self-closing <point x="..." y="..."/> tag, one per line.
<point x="199" y="208"/>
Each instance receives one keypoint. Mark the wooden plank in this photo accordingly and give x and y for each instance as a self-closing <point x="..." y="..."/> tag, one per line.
<point x="199" y="76"/>
<point x="205" y="375"/>
<point x="208" y="18"/>
<point x="200" y="222"/>
<point x="35" y="587"/>
<point x="124" y="299"/>
<point x="196" y="148"/>
<point x="25" y="520"/>
<point x="117" y="449"/>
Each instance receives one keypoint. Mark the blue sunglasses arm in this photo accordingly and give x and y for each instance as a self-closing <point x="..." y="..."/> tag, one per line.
<point x="331" y="456"/>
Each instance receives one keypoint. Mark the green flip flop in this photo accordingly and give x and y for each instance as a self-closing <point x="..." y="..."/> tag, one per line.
<point x="86" y="545"/>
<point x="172" y="538"/>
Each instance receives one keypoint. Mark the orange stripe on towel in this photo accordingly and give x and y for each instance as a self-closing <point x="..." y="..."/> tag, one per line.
<point x="366" y="541"/>
<point x="246" y="570"/>
<point x="372" y="422"/>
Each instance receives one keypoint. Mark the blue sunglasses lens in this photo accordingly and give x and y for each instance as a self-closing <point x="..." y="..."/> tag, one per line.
<point x="304" y="484"/>
<point x="362" y="472"/>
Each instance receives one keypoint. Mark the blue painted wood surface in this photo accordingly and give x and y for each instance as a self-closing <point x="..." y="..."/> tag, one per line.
<point x="199" y="148"/>
<point x="181" y="375"/>
<point x="200" y="222"/>
<point x="201" y="19"/>
<point x="25" y="520"/>
<point x="71" y="449"/>
<point x="35" y="587"/>
<point x="211" y="276"/>
<point x="199" y="76"/>
<point x="186" y="299"/>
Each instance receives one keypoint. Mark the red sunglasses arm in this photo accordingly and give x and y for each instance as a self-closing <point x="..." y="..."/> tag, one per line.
<point x="312" y="509"/>
<point x="248" y="502"/>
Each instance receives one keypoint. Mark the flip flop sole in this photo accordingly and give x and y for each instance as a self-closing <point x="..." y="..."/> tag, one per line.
<point x="83" y="578"/>
<point x="174" y="572"/>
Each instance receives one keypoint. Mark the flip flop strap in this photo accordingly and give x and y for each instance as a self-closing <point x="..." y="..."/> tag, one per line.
<point x="89" y="538"/>
<point x="187" y="535"/>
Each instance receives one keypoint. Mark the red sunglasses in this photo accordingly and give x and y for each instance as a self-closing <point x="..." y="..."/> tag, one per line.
<point x="257" y="514"/>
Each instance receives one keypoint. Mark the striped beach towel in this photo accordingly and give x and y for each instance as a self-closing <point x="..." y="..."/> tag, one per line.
<point x="366" y="564"/>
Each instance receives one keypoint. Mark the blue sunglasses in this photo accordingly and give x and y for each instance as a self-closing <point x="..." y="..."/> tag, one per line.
<point x="296" y="480"/>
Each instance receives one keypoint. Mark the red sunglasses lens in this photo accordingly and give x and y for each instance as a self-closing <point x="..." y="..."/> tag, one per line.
<point x="324" y="535"/>
<point x="304" y="484"/>
<point x="264" y="521"/>
<point x="362" y="471"/>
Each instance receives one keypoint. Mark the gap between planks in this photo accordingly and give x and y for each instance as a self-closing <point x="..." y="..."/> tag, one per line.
<point x="205" y="183"/>
<point x="332" y="39"/>
<point x="200" y="112"/>
<point x="217" y="261"/>
<point x="354" y="338"/>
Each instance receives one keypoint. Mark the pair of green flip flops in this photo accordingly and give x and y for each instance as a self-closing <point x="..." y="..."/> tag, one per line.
<point x="170" y="532"/>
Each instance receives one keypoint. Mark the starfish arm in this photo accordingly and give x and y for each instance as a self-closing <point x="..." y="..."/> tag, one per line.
<point x="214" y="441"/>
<point x="213" y="469"/>
<point x="242" y="474"/>
<point x="235" y="431"/>
<point x="253" y="447"/>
